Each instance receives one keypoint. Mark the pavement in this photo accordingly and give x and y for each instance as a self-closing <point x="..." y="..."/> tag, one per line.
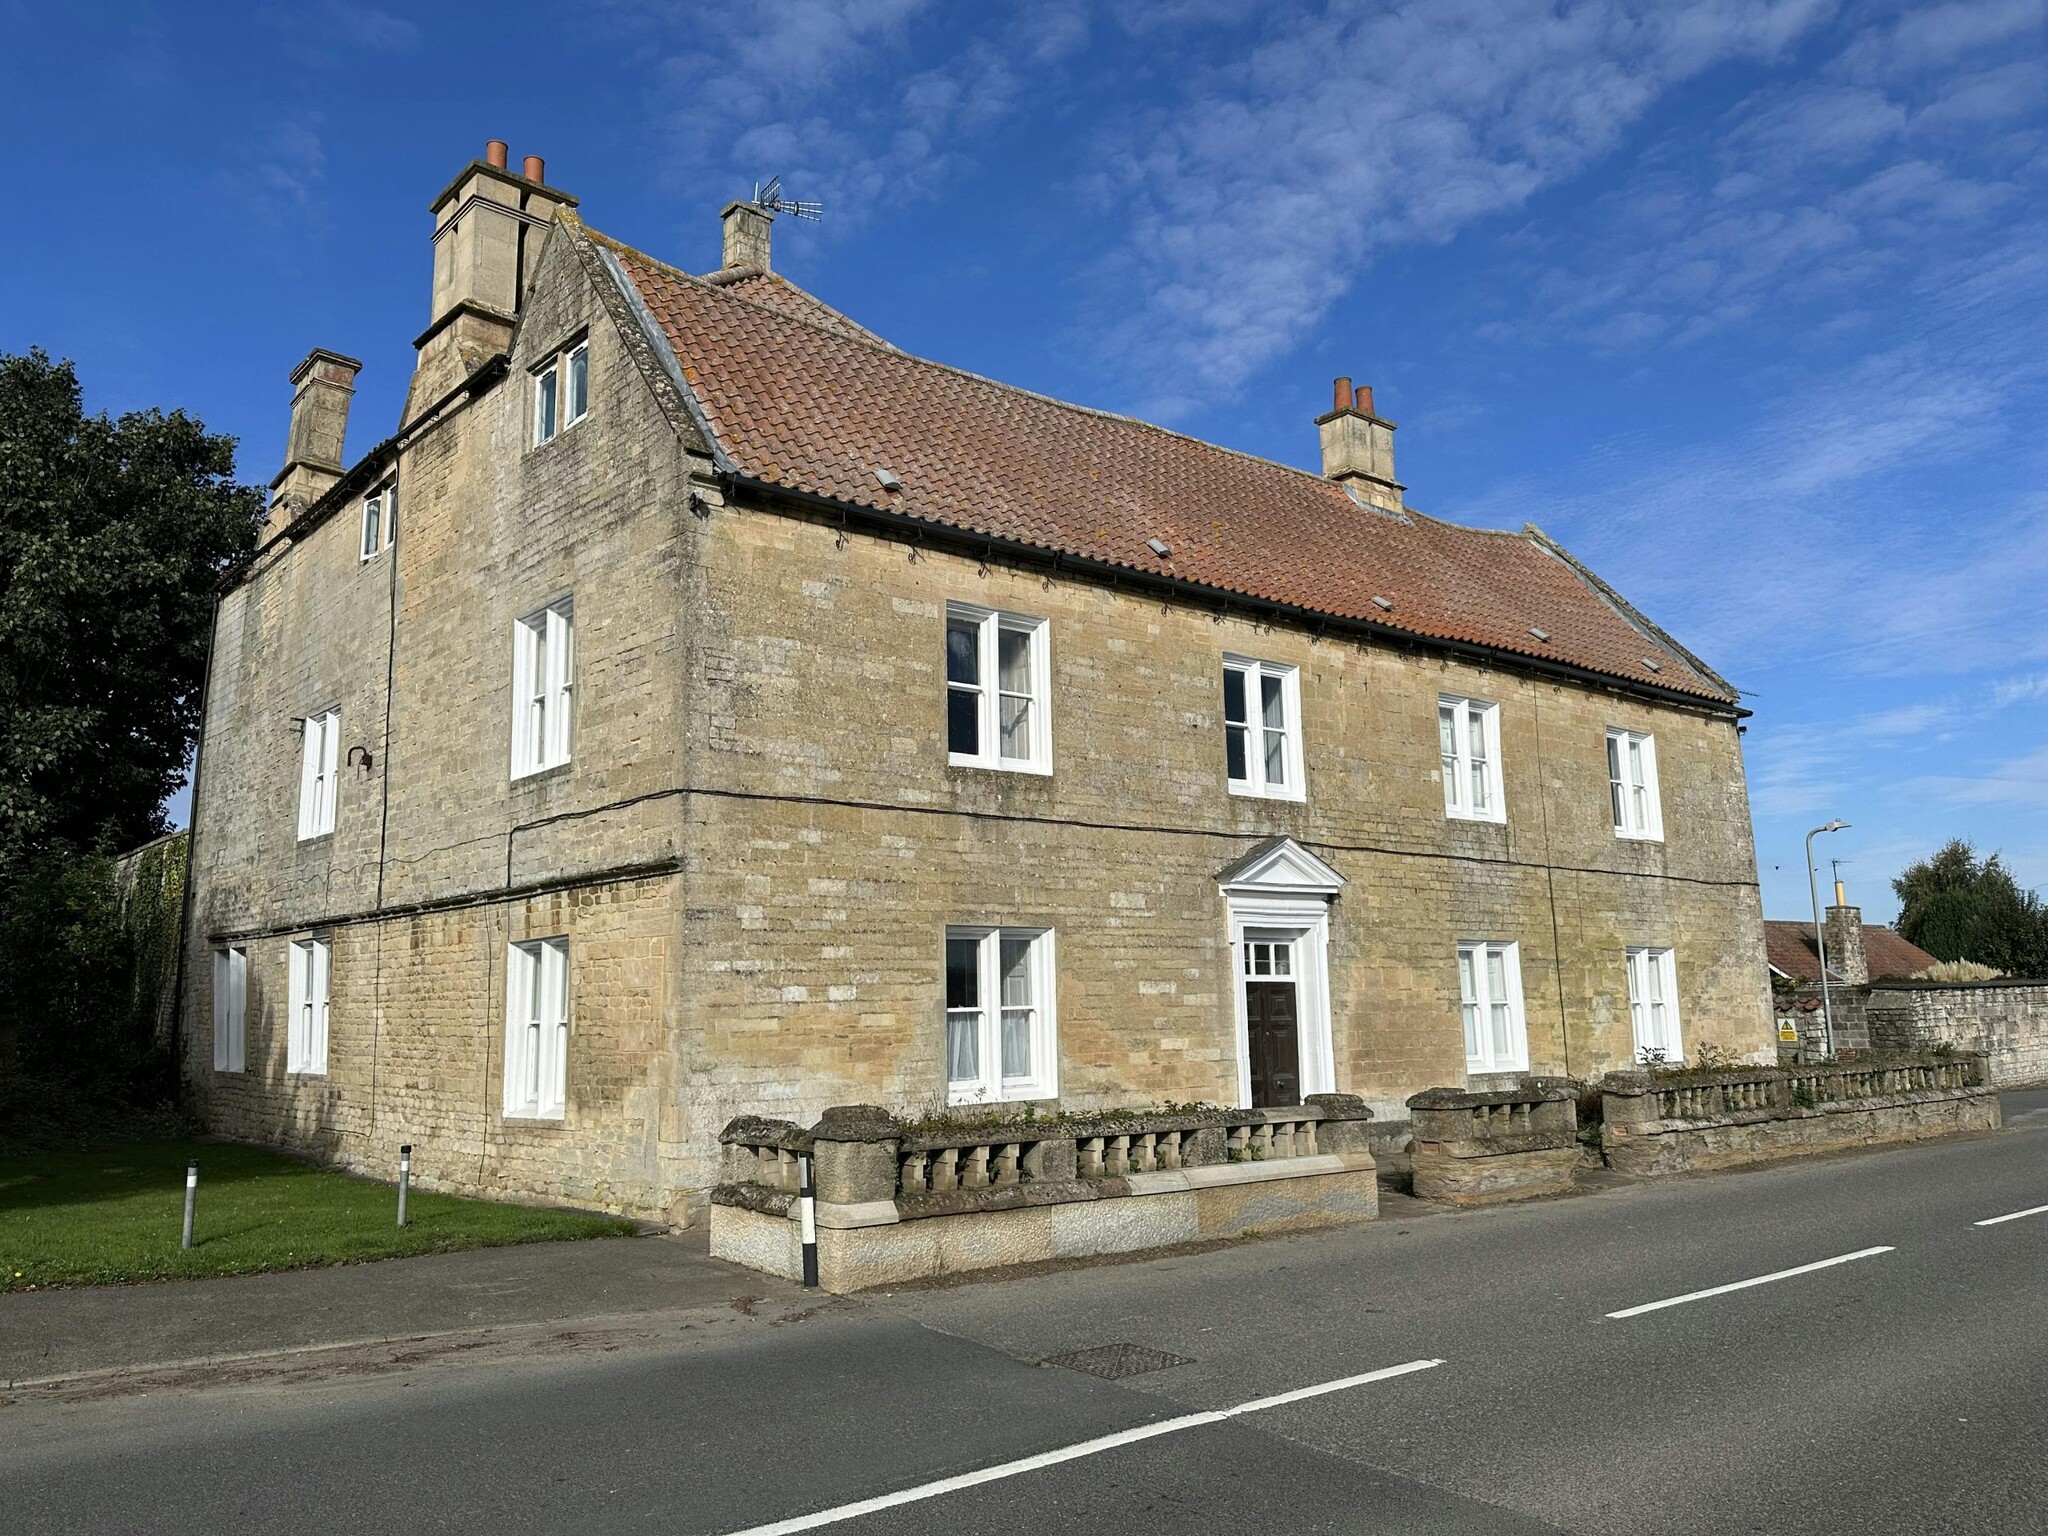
<point x="105" y="1330"/>
<point x="1895" y="1391"/>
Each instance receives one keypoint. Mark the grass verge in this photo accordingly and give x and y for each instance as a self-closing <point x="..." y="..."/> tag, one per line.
<point x="112" y="1212"/>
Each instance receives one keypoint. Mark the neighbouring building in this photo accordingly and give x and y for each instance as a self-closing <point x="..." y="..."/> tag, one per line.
<point x="1879" y="1003"/>
<point x="699" y="706"/>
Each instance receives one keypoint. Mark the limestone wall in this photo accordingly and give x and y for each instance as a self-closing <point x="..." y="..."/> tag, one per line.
<point x="2007" y="1021"/>
<point x="439" y="859"/>
<point x="831" y="845"/>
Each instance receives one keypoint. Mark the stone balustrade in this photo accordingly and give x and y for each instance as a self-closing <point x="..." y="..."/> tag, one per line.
<point x="1666" y="1122"/>
<point x="1508" y="1144"/>
<point x="896" y="1201"/>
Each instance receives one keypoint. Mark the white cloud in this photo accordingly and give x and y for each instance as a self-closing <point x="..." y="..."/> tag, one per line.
<point x="318" y="31"/>
<point x="1254" y="205"/>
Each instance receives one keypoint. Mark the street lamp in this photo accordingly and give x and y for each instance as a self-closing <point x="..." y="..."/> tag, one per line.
<point x="1820" y="941"/>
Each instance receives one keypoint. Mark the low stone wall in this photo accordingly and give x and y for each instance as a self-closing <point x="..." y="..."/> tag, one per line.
<point x="896" y="1203"/>
<point x="2006" y="1021"/>
<point x="1662" y="1123"/>
<point x="1474" y="1147"/>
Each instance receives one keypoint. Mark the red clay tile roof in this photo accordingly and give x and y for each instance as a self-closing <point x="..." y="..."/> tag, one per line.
<point x="780" y="294"/>
<point x="1789" y="948"/>
<point x="808" y="403"/>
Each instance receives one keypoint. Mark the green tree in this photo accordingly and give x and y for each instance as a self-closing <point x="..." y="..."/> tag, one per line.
<point x="1959" y="906"/>
<point x="112" y="536"/>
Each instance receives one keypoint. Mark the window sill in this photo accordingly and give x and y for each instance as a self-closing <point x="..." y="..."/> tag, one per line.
<point x="315" y="837"/>
<point x="994" y="765"/>
<point x="514" y="1117"/>
<point x="1251" y="792"/>
<point x="536" y="775"/>
<point x="1036" y="1096"/>
<point x="1637" y="837"/>
<point x="1500" y="820"/>
<point x="305" y="1071"/>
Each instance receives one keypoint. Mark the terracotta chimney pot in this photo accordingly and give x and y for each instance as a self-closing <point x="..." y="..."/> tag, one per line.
<point x="497" y="153"/>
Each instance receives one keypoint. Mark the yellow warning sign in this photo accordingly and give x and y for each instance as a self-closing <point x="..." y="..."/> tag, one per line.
<point x="1788" y="1032"/>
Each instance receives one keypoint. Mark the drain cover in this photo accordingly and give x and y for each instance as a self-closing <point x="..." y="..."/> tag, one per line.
<point x="1113" y="1362"/>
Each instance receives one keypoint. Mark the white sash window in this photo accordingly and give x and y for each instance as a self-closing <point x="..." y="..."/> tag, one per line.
<point x="561" y="392"/>
<point x="1490" y="997"/>
<point x="1468" y="732"/>
<point x="543" y="673"/>
<point x="230" y="1010"/>
<point x="1262" y="728"/>
<point x="306" y="1029"/>
<point x="998" y="680"/>
<point x="1632" y="784"/>
<point x="536" y="1029"/>
<point x="1653" y="1005"/>
<point x="380" y="521"/>
<point x="1001" y="1042"/>
<point x="319" y="744"/>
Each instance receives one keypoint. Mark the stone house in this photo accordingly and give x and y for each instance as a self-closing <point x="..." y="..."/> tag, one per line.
<point x="699" y="706"/>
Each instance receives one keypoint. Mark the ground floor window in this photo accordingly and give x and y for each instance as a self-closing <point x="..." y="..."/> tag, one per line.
<point x="1490" y="993"/>
<point x="1653" y="1005"/>
<point x="230" y="1009"/>
<point x="1001" y="1038"/>
<point x="536" y="1029"/>
<point x="306" y="1030"/>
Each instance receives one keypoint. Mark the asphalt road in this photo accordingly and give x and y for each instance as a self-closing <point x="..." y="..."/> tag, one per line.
<point x="1903" y="1391"/>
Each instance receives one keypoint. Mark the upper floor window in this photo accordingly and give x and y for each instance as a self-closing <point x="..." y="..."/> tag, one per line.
<point x="998" y="679"/>
<point x="1632" y="784"/>
<point x="536" y="1029"/>
<point x="543" y="665"/>
<point x="1469" y="732"/>
<point x="1262" y="728"/>
<point x="380" y="521"/>
<point x="306" y="1029"/>
<point x="1001" y="1041"/>
<point x="1490" y="996"/>
<point x="561" y="392"/>
<point x="319" y="744"/>
<point x="1653" y="1005"/>
<point x="230" y="1009"/>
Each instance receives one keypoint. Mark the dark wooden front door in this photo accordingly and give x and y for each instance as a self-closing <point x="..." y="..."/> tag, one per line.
<point x="1275" y="1042"/>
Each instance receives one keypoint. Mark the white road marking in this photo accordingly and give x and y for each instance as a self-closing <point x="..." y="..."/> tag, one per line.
<point x="2032" y="1210"/>
<point x="1072" y="1453"/>
<point x="1743" y="1285"/>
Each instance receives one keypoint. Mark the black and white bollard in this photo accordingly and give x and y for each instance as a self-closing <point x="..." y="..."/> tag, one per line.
<point x="191" y="1195"/>
<point x="807" y="1217"/>
<point x="404" y="1178"/>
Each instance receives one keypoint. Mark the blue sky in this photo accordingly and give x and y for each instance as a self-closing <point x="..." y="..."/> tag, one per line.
<point x="1745" y="300"/>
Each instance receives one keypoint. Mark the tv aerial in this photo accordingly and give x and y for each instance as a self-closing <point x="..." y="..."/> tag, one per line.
<point x="769" y="199"/>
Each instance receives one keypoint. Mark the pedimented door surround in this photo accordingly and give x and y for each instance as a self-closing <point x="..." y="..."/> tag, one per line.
<point x="1280" y="893"/>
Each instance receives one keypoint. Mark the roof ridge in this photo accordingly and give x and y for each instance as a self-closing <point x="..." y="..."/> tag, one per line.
<point x="868" y="338"/>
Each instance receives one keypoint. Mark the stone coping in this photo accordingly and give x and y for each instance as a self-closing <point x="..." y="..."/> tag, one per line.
<point x="870" y="1123"/>
<point x="1636" y="1081"/>
<point x="1543" y="1090"/>
<point x="1035" y="1193"/>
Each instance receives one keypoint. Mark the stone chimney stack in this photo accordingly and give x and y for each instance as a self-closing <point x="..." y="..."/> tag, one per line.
<point x="1845" y="941"/>
<point x="1358" y="448"/>
<point x="322" y="387"/>
<point x="746" y="235"/>
<point x="489" y="224"/>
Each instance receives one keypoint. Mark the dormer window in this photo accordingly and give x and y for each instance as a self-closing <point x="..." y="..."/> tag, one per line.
<point x="380" y="521"/>
<point x="561" y="392"/>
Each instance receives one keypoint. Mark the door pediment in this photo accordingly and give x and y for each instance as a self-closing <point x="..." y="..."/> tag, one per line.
<point x="1279" y="867"/>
